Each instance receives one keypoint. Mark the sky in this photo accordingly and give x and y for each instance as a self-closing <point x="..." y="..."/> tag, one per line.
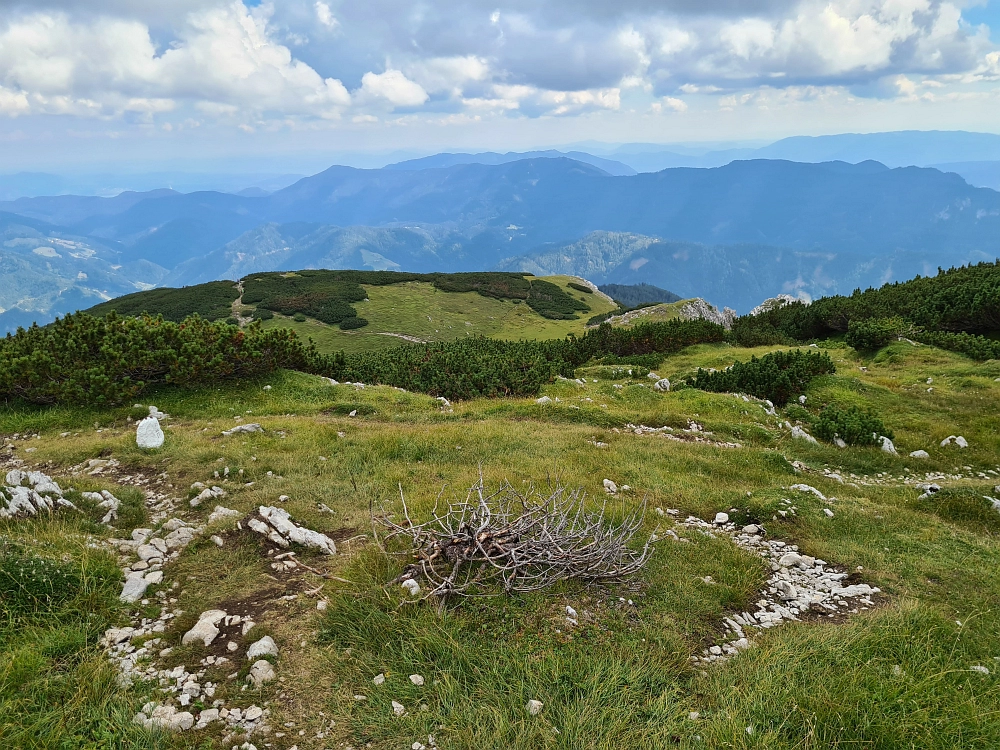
<point x="282" y="85"/>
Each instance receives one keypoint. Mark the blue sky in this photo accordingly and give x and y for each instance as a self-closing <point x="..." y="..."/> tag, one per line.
<point x="185" y="82"/>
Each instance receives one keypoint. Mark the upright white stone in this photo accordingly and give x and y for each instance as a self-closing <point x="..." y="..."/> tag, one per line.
<point x="148" y="434"/>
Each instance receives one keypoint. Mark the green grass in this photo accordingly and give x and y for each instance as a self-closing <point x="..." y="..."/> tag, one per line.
<point x="896" y="677"/>
<point x="421" y="311"/>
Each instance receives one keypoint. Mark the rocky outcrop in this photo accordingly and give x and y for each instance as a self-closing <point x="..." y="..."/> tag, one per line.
<point x="699" y="308"/>
<point x="276" y="525"/>
<point x="773" y="303"/>
<point x="28" y="493"/>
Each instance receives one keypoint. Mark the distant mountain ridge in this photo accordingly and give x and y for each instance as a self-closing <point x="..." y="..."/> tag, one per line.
<point x="734" y="234"/>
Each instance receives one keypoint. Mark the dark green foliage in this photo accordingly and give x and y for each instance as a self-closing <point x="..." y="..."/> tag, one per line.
<point x="498" y="285"/>
<point x="853" y="425"/>
<point x="321" y="295"/>
<point x="212" y="301"/>
<point x="580" y="287"/>
<point x="348" y="324"/>
<point x="976" y="347"/>
<point x="467" y="368"/>
<point x="110" y="360"/>
<point x="299" y="318"/>
<point x="872" y="334"/>
<point x="965" y="299"/>
<point x="551" y="301"/>
<point x="34" y="586"/>
<point x="635" y="295"/>
<point x="645" y="338"/>
<point x="261" y="314"/>
<point x="778" y="376"/>
<point x="484" y="367"/>
<point x="750" y="331"/>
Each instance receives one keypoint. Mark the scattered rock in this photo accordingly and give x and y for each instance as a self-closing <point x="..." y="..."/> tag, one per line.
<point x="534" y="707"/>
<point x="220" y="512"/>
<point x="411" y="587"/>
<point x="378" y="679"/>
<point x="148" y="434"/>
<point x="961" y="442"/>
<point x="828" y="512"/>
<point x="276" y="525"/>
<point x="543" y="400"/>
<point x="241" y="429"/>
<point x="417" y="680"/>
<point x="261" y="673"/>
<point x="799" y="434"/>
<point x="662" y="385"/>
<point x="887" y="445"/>
<point x="397" y="708"/>
<point x="205" y="629"/>
<point x="721" y="518"/>
<point x="920" y="454"/>
<point x="839" y="442"/>
<point x="610" y="487"/>
<point x="264" y="647"/>
<point x="28" y="493"/>
<point x="209" y="493"/>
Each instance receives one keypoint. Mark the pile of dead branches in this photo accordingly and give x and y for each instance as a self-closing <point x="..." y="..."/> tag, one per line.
<point x="513" y="542"/>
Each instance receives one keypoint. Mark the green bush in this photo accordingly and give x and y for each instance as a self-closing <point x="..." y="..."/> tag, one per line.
<point x="348" y="324"/>
<point x="299" y="318"/>
<point x="552" y="301"/>
<point x="853" y="425"/>
<point x="111" y="360"/>
<point x="580" y="287"/>
<point x="976" y="347"/>
<point x="872" y="334"/>
<point x="212" y="301"/>
<point x="778" y="376"/>
<point x="262" y="314"/>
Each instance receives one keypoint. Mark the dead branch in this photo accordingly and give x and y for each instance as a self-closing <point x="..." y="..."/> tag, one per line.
<point x="513" y="542"/>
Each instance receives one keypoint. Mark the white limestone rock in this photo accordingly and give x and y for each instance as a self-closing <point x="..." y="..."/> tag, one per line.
<point x="243" y="429"/>
<point x="887" y="446"/>
<point x="261" y="672"/>
<point x="205" y="630"/>
<point x="534" y="707"/>
<point x="662" y="385"/>
<point x="148" y="434"/>
<point x="799" y="434"/>
<point x="264" y="647"/>
<point x="276" y="525"/>
<point x="920" y="454"/>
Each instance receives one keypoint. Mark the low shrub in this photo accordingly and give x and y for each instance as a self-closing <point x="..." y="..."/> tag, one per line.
<point x="111" y="360"/>
<point x="580" y="287"/>
<point x="777" y="376"/>
<point x="976" y="347"/>
<point x="552" y="301"/>
<point x="853" y="425"/>
<point x="261" y="314"/>
<point x="299" y="318"/>
<point x="872" y="334"/>
<point x="348" y="324"/>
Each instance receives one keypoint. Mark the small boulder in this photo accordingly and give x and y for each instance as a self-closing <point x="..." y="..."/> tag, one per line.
<point x="148" y="434"/>
<point x="534" y="707"/>
<point x="961" y="442"/>
<point x="543" y="400"/>
<point x="887" y="446"/>
<point x="205" y="629"/>
<point x="721" y="518"/>
<point x="799" y="434"/>
<point x="417" y="680"/>
<point x="662" y="385"/>
<point x="610" y="487"/>
<point x="264" y="647"/>
<point x="920" y="454"/>
<point x="261" y="673"/>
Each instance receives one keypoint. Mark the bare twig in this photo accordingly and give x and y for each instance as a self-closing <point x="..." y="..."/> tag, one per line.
<point x="515" y="542"/>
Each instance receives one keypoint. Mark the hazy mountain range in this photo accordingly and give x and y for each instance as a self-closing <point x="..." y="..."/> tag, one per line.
<point x="733" y="234"/>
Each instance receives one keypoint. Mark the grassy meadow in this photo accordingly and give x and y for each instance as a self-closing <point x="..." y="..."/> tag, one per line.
<point x="420" y="311"/>
<point x="899" y="676"/>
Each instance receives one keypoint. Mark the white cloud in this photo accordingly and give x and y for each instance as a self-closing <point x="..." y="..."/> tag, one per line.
<point x="325" y="16"/>
<point x="223" y="57"/>
<point x="669" y="103"/>
<point x="392" y="87"/>
<point x="448" y="74"/>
